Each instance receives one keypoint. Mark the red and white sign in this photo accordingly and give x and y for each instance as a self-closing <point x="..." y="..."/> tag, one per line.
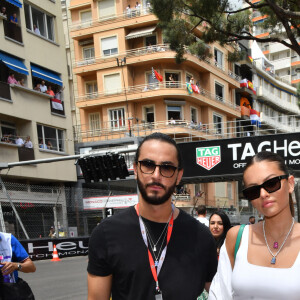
<point x="118" y="201"/>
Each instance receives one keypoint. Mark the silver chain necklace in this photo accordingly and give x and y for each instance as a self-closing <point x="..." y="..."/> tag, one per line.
<point x="150" y="239"/>
<point x="273" y="260"/>
<point x="160" y="249"/>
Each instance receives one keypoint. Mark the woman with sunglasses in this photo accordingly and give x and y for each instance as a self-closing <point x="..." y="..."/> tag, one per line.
<point x="267" y="263"/>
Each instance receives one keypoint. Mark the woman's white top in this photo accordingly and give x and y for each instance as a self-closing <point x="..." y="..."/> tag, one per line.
<point x="248" y="281"/>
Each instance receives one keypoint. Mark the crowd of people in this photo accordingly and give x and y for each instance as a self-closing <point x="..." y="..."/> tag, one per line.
<point x="153" y="250"/>
<point x="17" y="140"/>
<point x="40" y="87"/>
<point x="136" y="10"/>
<point x="12" y="80"/>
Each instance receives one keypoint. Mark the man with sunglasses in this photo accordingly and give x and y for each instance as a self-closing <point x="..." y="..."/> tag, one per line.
<point x="152" y="251"/>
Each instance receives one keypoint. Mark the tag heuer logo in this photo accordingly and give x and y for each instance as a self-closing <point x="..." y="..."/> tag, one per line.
<point x="208" y="157"/>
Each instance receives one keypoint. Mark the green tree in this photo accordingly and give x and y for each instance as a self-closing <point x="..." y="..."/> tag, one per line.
<point x="192" y="23"/>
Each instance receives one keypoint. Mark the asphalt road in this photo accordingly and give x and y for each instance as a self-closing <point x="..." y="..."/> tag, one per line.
<point x="66" y="279"/>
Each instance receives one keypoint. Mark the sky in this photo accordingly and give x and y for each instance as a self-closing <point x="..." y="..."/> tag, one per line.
<point x="236" y="2"/>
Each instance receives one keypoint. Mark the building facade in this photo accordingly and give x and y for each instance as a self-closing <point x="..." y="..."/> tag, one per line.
<point x="35" y="124"/>
<point x="128" y="85"/>
<point x="285" y="60"/>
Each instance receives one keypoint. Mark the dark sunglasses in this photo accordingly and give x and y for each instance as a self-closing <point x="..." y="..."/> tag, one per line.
<point x="148" y="167"/>
<point x="272" y="185"/>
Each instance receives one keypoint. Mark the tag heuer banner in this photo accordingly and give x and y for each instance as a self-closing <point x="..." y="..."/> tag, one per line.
<point x="214" y="160"/>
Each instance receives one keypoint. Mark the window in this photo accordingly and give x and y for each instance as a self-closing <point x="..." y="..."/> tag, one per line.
<point x="220" y="189"/>
<point x="174" y="112"/>
<point x="149" y="114"/>
<point x="7" y="129"/>
<point x="112" y="84"/>
<point x="106" y="8"/>
<point x="91" y="88"/>
<point x="172" y="79"/>
<point x="88" y="52"/>
<point x="43" y="21"/>
<point x="109" y="46"/>
<point x="194" y="115"/>
<point x="85" y="16"/>
<point x="94" y="122"/>
<point x="117" y="118"/>
<point x="198" y="189"/>
<point x="229" y="190"/>
<point x="219" y="91"/>
<point x="150" y="40"/>
<point x="50" y="138"/>
<point x="218" y="58"/>
<point x="218" y="126"/>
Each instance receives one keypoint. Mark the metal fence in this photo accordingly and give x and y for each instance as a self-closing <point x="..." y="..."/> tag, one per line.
<point x="41" y="207"/>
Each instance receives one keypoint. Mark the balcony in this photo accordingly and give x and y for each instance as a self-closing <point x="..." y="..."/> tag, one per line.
<point x="12" y="31"/>
<point x="181" y="130"/>
<point x="282" y="63"/>
<point x="159" y="51"/>
<point x="112" y="19"/>
<point x="279" y="126"/>
<point x="157" y="90"/>
<point x="10" y="152"/>
<point x="278" y="101"/>
<point x="277" y="47"/>
<point x="5" y="91"/>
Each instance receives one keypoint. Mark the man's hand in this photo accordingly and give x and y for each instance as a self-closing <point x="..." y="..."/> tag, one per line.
<point x="8" y="267"/>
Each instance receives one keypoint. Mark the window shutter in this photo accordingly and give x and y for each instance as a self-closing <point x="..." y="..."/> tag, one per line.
<point x="106" y="8"/>
<point x="112" y="84"/>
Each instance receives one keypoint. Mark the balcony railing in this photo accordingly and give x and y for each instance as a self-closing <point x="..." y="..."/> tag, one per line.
<point x="129" y="53"/>
<point x="5" y="90"/>
<point x="278" y="101"/>
<point x="150" y="87"/>
<point x="12" y="31"/>
<point x="160" y="48"/>
<point x="282" y="126"/>
<point x="111" y="19"/>
<point x="180" y="130"/>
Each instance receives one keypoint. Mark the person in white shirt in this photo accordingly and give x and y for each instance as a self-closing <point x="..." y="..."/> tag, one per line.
<point x="36" y="30"/>
<point x="28" y="143"/>
<point x="19" y="141"/>
<point x="201" y="210"/>
<point x="43" y="87"/>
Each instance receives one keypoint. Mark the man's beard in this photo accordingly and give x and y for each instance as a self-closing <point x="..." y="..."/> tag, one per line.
<point x="156" y="200"/>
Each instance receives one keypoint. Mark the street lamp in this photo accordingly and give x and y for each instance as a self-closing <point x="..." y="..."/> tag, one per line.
<point x="122" y="62"/>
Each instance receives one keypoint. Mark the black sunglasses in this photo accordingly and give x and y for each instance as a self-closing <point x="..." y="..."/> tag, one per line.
<point x="148" y="167"/>
<point x="272" y="185"/>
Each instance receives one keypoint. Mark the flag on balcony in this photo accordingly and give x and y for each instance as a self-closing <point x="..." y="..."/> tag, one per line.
<point x="244" y="83"/>
<point x="251" y="87"/>
<point x="251" y="59"/>
<point x="195" y="88"/>
<point x="156" y="75"/>
<point x="255" y="117"/>
<point x="56" y="104"/>
<point x="189" y="88"/>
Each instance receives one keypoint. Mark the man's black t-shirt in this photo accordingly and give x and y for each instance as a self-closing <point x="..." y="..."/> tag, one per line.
<point x="116" y="247"/>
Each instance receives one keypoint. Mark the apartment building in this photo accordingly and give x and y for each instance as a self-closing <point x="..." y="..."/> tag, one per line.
<point x="128" y="85"/>
<point x="274" y="99"/>
<point x="32" y="51"/>
<point x="285" y="60"/>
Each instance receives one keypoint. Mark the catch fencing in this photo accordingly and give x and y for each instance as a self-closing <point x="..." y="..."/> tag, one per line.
<point x="41" y="207"/>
